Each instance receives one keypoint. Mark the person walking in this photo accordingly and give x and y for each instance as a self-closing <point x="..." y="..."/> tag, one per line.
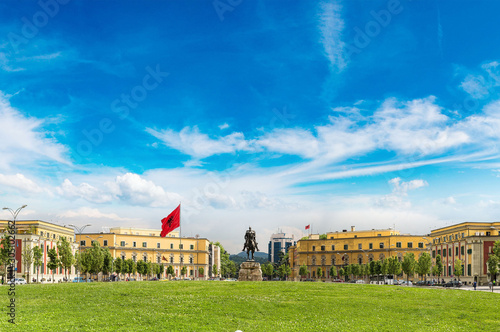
<point x="475" y="284"/>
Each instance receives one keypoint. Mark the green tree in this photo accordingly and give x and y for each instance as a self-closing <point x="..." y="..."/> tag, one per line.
<point x="341" y="272"/>
<point x="37" y="259"/>
<point x="141" y="268"/>
<point x="65" y="255"/>
<point x="118" y="266"/>
<point x="493" y="262"/>
<point x="6" y="248"/>
<point x="496" y="248"/>
<point x="284" y="270"/>
<point x="170" y="270"/>
<point x="107" y="264"/>
<point x="333" y="271"/>
<point x="423" y="265"/>
<point x="53" y="262"/>
<point x="323" y="237"/>
<point x="27" y="260"/>
<point x="94" y="258"/>
<point x="215" y="271"/>
<point x="408" y="265"/>
<point x="319" y="272"/>
<point x="201" y="271"/>
<point x="183" y="271"/>
<point x="303" y="271"/>
<point x="384" y="267"/>
<point x="394" y="267"/>
<point x="149" y="269"/>
<point x="437" y="270"/>
<point x="267" y="269"/>
<point x="457" y="268"/>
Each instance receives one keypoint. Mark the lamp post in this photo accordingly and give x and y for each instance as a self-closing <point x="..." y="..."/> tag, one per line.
<point x="12" y="230"/>
<point x="79" y="231"/>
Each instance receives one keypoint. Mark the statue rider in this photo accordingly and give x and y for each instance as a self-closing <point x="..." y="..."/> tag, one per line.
<point x="250" y="242"/>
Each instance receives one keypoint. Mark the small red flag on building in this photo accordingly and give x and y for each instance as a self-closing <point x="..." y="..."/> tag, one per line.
<point x="308" y="226"/>
<point x="171" y="222"/>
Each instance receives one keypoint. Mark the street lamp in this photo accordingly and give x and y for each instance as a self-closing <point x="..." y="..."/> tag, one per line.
<point x="79" y="231"/>
<point x="11" y="274"/>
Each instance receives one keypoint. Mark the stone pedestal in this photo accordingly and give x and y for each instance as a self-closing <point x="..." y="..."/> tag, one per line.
<point x="250" y="271"/>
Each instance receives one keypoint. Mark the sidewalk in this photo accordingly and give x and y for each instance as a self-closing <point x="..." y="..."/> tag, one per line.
<point x="496" y="289"/>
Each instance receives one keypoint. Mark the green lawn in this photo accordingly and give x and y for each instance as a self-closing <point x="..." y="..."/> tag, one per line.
<point x="247" y="306"/>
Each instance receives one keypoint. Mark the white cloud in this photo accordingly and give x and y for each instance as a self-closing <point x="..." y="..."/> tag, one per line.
<point x="223" y="126"/>
<point x="83" y="190"/>
<point x="86" y="212"/>
<point x="331" y="26"/>
<point x="402" y="188"/>
<point x="20" y="182"/>
<point x="449" y="201"/>
<point x="23" y="139"/>
<point x="136" y="190"/>
<point x="397" y="199"/>
<point x="195" y="144"/>
<point x="483" y="83"/>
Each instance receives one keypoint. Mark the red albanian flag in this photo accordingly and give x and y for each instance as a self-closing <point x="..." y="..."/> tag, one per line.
<point x="171" y="222"/>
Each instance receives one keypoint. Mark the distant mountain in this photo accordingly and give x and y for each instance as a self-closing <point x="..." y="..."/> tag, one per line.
<point x="256" y="254"/>
<point x="260" y="257"/>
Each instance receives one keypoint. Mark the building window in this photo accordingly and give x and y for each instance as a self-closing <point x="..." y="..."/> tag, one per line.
<point x="469" y="251"/>
<point x="83" y="243"/>
<point x="191" y="246"/>
<point x="181" y="259"/>
<point x="191" y="272"/>
<point x="444" y="252"/>
<point x="134" y="258"/>
<point x="145" y="258"/>
<point x="370" y="246"/>
<point x="379" y="234"/>
<point x="355" y="236"/>
<point x="398" y="244"/>
<point x="191" y="259"/>
<point x="333" y="260"/>
<point x="181" y="246"/>
<point x="462" y="250"/>
<point x="360" y="246"/>
<point x="158" y="259"/>
<point x="449" y="252"/>
<point x="158" y="245"/>
<point x="171" y="246"/>
<point x="322" y="248"/>
<point x="410" y="244"/>
<point x="122" y="243"/>
<point x="323" y="260"/>
<point x="456" y="251"/>
<point x="439" y="252"/>
<point x="171" y="259"/>
<point x="313" y="248"/>
<point x="469" y="270"/>
<point x="134" y="244"/>
<point x="144" y="244"/>
<point x="420" y="244"/>
<point x="346" y="247"/>
<point x="434" y="254"/>
<point x="463" y="235"/>
<point x="123" y="257"/>
<point x="105" y="243"/>
<point x="313" y="260"/>
<point x="333" y="247"/>
<point x="381" y="245"/>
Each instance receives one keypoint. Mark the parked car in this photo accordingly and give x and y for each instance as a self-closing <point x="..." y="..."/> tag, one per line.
<point x="405" y="283"/>
<point x="17" y="281"/>
<point x="453" y="283"/>
<point x="276" y="279"/>
<point x="338" y="280"/>
<point x="187" y="278"/>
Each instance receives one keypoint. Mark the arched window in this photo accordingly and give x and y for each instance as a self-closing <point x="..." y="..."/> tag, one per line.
<point x="145" y="258"/>
<point x="381" y="257"/>
<point x="313" y="260"/>
<point x="181" y="260"/>
<point x="134" y="257"/>
<point x="323" y="260"/>
<point x="333" y="259"/>
<point x="360" y="259"/>
<point x="191" y="259"/>
<point x="171" y="258"/>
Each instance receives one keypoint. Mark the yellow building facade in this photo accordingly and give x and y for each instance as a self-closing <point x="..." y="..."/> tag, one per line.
<point x="470" y="243"/>
<point x="46" y="235"/>
<point x="352" y="247"/>
<point x="147" y="245"/>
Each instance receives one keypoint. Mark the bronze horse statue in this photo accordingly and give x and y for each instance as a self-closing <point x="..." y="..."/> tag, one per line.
<point x="250" y="243"/>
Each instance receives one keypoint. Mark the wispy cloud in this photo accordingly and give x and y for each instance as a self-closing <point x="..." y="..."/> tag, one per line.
<point x="24" y="139"/>
<point x="86" y="212"/>
<point x="331" y="26"/>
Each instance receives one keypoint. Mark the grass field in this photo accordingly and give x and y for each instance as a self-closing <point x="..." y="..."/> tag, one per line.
<point x="247" y="306"/>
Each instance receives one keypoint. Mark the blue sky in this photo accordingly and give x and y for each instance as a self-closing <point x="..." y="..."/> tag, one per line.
<point x="274" y="114"/>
